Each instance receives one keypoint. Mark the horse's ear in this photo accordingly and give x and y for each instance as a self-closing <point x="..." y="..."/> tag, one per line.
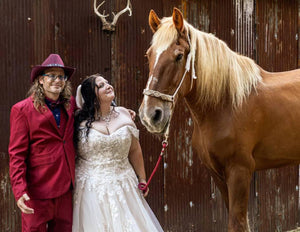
<point x="178" y="19"/>
<point x="154" y="21"/>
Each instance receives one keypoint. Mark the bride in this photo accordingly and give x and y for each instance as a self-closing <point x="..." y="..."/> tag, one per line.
<point x="109" y="165"/>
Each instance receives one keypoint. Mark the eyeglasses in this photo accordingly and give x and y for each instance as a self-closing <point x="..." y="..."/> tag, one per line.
<point x="53" y="77"/>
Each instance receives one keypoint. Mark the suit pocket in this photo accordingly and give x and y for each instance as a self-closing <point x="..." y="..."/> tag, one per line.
<point x="35" y="161"/>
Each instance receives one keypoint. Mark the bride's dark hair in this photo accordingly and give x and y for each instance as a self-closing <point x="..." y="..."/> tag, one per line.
<point x="90" y="107"/>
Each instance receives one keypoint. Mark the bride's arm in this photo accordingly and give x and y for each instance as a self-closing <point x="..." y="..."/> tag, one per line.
<point x="137" y="161"/>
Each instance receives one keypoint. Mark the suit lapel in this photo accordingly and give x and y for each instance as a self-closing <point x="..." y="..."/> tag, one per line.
<point x="49" y="115"/>
<point x="70" y="114"/>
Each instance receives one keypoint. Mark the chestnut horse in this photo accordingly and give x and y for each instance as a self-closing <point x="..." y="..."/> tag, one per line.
<point x="245" y="119"/>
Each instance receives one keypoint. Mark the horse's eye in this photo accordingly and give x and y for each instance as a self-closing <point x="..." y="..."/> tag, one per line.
<point x="179" y="57"/>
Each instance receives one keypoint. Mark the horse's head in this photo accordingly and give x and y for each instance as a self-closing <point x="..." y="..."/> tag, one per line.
<point x="168" y="76"/>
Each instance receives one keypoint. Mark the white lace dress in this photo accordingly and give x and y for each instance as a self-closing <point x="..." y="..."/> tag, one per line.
<point x="106" y="197"/>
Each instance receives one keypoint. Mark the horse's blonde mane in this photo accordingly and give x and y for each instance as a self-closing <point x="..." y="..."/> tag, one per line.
<point x="219" y="70"/>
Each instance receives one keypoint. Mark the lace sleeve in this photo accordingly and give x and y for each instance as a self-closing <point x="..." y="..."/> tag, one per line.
<point x="134" y="131"/>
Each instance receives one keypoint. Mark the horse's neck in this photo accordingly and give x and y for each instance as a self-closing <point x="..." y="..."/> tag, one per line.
<point x="202" y="113"/>
<point x="197" y="112"/>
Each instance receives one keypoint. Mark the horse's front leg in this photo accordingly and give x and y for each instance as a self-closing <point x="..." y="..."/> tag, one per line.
<point x="238" y="183"/>
<point x="222" y="186"/>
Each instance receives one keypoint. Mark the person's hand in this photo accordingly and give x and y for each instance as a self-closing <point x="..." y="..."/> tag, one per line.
<point x="145" y="192"/>
<point x="23" y="207"/>
<point x="132" y="114"/>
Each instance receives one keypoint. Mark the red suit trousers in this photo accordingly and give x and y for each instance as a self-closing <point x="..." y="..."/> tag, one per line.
<point x="52" y="215"/>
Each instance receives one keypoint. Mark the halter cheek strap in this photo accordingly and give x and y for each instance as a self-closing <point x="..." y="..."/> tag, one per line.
<point x="168" y="97"/>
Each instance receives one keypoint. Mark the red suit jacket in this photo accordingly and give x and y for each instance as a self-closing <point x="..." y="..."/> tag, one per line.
<point x="42" y="161"/>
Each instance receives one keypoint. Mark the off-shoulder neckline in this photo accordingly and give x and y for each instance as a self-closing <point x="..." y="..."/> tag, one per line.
<point x="127" y="125"/>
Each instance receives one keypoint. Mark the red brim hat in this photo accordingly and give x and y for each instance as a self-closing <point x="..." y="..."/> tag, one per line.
<point x="53" y="61"/>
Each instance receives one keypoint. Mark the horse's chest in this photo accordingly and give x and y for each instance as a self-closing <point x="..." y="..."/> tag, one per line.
<point x="212" y="146"/>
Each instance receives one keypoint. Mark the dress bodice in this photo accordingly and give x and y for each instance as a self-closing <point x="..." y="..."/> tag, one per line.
<point x="99" y="147"/>
<point x="104" y="158"/>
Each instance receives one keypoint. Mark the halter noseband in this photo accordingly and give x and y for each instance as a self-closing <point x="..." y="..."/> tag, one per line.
<point x="163" y="96"/>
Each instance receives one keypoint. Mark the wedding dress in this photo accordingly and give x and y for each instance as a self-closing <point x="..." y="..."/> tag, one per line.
<point x="106" y="197"/>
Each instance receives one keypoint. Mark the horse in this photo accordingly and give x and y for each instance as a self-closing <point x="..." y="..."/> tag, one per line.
<point x="244" y="118"/>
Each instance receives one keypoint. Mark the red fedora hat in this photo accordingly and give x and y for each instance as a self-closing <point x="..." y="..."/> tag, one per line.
<point x="53" y="60"/>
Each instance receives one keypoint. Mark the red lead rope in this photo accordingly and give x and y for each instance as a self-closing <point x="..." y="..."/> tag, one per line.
<point x="143" y="186"/>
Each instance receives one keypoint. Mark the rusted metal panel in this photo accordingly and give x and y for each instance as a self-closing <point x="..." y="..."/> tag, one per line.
<point x="10" y="217"/>
<point x="277" y="28"/>
<point x="15" y="52"/>
<point x="80" y="40"/>
<point x="244" y="31"/>
<point x="278" y="200"/>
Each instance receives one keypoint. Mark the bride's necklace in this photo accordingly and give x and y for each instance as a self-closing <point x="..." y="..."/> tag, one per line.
<point x="107" y="119"/>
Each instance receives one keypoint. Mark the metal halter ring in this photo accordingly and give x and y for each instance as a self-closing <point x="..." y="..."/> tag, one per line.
<point x="165" y="143"/>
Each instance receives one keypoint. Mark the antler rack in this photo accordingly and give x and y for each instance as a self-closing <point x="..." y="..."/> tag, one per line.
<point x="111" y="26"/>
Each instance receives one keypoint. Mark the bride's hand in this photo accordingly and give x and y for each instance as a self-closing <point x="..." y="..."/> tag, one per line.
<point x="132" y="114"/>
<point x="145" y="192"/>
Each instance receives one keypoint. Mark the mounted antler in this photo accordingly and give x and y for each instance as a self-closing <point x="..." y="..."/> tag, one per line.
<point x="107" y="26"/>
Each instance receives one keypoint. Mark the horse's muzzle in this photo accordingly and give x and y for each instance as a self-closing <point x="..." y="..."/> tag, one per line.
<point x="155" y="119"/>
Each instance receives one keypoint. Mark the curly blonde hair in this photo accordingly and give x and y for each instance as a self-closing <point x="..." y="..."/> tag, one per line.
<point x="38" y="94"/>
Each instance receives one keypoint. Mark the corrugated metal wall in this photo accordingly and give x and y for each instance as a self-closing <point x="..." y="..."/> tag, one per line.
<point x="183" y="196"/>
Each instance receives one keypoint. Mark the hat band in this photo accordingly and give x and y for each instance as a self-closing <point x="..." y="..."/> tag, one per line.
<point x="57" y="65"/>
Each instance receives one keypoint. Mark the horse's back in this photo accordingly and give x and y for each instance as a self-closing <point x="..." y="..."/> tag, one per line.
<point x="270" y="78"/>
<point x="278" y="91"/>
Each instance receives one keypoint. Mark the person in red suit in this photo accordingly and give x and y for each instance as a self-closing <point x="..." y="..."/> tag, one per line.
<point x="41" y="149"/>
